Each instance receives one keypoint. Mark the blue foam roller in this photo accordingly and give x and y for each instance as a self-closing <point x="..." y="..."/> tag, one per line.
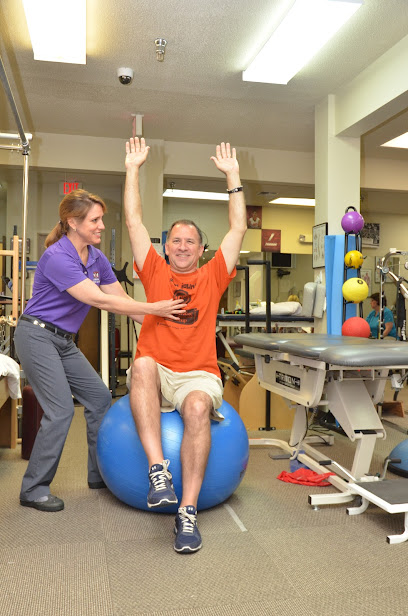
<point x="400" y="452"/>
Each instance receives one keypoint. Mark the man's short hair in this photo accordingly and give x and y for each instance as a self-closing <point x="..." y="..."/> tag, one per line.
<point x="185" y="221"/>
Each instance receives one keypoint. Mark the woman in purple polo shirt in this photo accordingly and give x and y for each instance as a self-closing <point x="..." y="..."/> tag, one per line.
<point x="72" y="275"/>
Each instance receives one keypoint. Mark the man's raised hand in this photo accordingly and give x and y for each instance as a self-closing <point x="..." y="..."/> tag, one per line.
<point x="225" y="159"/>
<point x="136" y="152"/>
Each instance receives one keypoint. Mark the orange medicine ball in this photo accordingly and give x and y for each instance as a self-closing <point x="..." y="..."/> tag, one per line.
<point x="355" y="290"/>
<point x="356" y="326"/>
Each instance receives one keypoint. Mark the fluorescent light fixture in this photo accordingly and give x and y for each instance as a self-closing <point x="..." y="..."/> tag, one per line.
<point x="195" y="194"/>
<point x="398" y="142"/>
<point x="307" y="26"/>
<point x="293" y="201"/>
<point x="244" y="252"/>
<point x="57" y="30"/>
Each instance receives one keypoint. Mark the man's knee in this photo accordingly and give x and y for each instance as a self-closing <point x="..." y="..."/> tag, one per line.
<point x="144" y="376"/>
<point x="144" y="367"/>
<point x="197" y="407"/>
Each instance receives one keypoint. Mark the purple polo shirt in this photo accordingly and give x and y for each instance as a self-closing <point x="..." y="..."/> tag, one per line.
<point x="60" y="268"/>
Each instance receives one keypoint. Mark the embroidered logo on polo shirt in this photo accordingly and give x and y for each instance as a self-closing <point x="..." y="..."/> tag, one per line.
<point x="96" y="277"/>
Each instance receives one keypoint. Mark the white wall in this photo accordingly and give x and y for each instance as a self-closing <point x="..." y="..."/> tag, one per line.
<point x="42" y="211"/>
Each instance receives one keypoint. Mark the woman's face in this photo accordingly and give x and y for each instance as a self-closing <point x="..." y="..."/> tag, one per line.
<point x="89" y="229"/>
<point x="374" y="304"/>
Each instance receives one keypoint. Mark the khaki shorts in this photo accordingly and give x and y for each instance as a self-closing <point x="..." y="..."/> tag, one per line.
<point x="175" y="386"/>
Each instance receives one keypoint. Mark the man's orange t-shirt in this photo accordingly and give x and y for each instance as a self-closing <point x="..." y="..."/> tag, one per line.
<point x="188" y="344"/>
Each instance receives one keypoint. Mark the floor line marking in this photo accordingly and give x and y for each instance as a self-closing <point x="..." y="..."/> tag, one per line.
<point x="236" y="518"/>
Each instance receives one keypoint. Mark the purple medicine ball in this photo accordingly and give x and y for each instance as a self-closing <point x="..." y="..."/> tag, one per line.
<point x="352" y="221"/>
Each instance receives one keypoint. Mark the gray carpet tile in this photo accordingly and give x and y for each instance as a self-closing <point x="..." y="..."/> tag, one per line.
<point x="296" y="606"/>
<point x="339" y="558"/>
<point x="227" y="570"/>
<point x="100" y="557"/>
<point x="55" y="579"/>
<point x="79" y="522"/>
<point x="121" y="522"/>
<point x="376" y="600"/>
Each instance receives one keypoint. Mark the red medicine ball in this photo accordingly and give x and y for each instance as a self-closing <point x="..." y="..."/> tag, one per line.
<point x="356" y="326"/>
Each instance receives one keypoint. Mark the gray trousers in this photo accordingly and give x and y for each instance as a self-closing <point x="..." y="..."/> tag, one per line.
<point x="57" y="370"/>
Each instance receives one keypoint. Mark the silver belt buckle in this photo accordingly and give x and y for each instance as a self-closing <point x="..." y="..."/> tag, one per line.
<point x="36" y="322"/>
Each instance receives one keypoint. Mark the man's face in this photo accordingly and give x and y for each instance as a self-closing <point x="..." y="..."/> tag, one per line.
<point x="183" y="248"/>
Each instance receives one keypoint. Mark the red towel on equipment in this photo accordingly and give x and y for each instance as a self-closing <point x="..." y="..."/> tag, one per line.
<point x="305" y="477"/>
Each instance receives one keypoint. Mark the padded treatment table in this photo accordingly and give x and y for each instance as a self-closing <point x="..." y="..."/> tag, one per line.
<point x="346" y="375"/>
<point x="259" y="320"/>
<point x="250" y="321"/>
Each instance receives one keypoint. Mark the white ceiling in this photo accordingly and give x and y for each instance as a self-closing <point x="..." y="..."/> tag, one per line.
<point x="197" y="93"/>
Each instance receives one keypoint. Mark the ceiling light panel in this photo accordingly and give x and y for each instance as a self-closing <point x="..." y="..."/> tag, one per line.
<point x="293" y="201"/>
<point x="195" y="194"/>
<point x="305" y="29"/>
<point x="57" y="30"/>
<point x="398" y="142"/>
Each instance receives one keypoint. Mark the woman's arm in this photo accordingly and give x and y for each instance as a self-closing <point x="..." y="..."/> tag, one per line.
<point x="112" y="297"/>
<point x="387" y="328"/>
<point x="117" y="289"/>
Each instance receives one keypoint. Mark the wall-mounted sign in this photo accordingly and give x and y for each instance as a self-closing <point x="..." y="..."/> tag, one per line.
<point x="271" y="240"/>
<point x="67" y="187"/>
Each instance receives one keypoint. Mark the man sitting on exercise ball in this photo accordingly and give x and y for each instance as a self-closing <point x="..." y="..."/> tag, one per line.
<point x="180" y="362"/>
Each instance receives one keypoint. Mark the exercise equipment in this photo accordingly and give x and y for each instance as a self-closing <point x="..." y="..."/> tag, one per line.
<point x="277" y="315"/>
<point x="402" y="293"/>
<point x="124" y="467"/>
<point x="354" y="259"/>
<point x="356" y="326"/>
<point x="352" y="221"/>
<point x="347" y="376"/>
<point x="355" y="290"/>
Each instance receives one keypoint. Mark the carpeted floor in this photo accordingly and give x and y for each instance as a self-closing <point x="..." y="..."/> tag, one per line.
<point x="278" y="556"/>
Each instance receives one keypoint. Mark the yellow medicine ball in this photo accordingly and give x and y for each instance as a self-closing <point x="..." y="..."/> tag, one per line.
<point x="354" y="259"/>
<point x="355" y="290"/>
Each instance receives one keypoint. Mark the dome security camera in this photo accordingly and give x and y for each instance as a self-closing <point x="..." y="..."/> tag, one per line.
<point x="125" y="75"/>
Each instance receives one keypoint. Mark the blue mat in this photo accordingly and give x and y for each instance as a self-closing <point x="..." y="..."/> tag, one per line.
<point x="334" y="265"/>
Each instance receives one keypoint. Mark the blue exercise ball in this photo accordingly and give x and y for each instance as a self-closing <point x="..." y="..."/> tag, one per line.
<point x="400" y="452"/>
<point x="124" y="467"/>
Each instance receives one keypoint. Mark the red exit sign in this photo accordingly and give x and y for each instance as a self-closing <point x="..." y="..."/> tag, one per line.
<point x="67" y="187"/>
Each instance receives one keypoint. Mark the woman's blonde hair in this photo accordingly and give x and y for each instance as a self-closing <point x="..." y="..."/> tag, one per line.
<point x="74" y="205"/>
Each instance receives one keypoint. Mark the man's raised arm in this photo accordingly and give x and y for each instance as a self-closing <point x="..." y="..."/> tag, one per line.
<point x="136" y="154"/>
<point x="225" y="160"/>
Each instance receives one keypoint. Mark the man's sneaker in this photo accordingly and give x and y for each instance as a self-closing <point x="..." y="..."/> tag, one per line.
<point x="161" y="491"/>
<point x="188" y="538"/>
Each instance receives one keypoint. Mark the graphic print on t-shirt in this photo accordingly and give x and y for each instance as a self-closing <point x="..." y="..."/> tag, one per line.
<point x="189" y="316"/>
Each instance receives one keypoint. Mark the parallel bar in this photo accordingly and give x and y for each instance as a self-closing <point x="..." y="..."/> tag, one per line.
<point x="14" y="136"/>
<point x="15" y="148"/>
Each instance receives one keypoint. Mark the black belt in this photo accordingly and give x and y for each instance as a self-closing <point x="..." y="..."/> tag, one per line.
<point x="49" y="326"/>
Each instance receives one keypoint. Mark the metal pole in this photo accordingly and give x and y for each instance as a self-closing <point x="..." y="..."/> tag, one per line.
<point x="24" y="238"/>
<point x="7" y="89"/>
<point x="25" y="148"/>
